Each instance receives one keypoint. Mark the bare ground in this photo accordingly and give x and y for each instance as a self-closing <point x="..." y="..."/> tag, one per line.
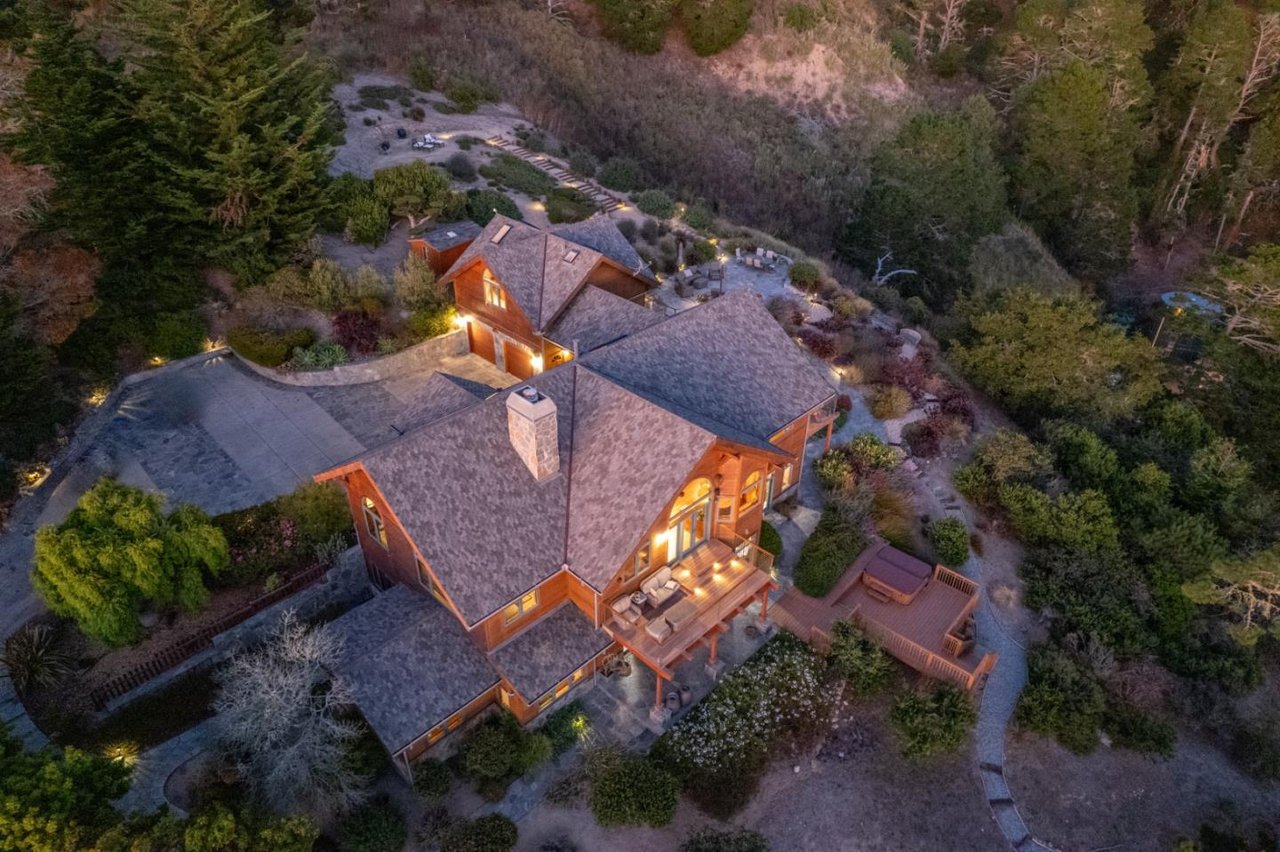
<point x="1118" y="799"/>
<point x="855" y="792"/>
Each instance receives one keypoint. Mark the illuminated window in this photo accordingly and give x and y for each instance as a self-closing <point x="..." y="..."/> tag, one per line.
<point x="547" y="701"/>
<point x="725" y="509"/>
<point x="434" y="734"/>
<point x="562" y="689"/>
<point x="750" y="492"/>
<point x="579" y="675"/>
<point x="644" y="558"/>
<point x="425" y="578"/>
<point x="527" y="603"/>
<point x="494" y="295"/>
<point x="787" y="471"/>
<point x="373" y="523"/>
<point x="454" y="721"/>
<point x="694" y="492"/>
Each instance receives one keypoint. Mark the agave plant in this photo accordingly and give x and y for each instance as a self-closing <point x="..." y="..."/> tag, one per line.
<point x="31" y="658"/>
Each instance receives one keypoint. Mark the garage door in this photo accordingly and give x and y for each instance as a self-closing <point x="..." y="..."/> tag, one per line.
<point x="481" y="341"/>
<point x="519" y="361"/>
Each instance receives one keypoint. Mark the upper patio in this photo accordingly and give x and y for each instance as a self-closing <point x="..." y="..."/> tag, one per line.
<point x="716" y="582"/>
<point x="922" y="616"/>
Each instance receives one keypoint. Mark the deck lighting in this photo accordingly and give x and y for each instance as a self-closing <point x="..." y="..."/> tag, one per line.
<point x="211" y="344"/>
<point x="158" y="361"/>
<point x="660" y="537"/>
<point x="97" y="396"/>
<point x="537" y="363"/>
<point x="461" y="320"/>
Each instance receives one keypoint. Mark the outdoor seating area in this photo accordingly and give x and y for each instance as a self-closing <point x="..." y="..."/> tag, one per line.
<point x="681" y="604"/>
<point x="694" y="279"/>
<point x="761" y="258"/>
<point x="922" y="616"/>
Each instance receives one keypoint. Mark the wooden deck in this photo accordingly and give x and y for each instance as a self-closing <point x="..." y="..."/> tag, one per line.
<point x="720" y="596"/>
<point x="927" y="634"/>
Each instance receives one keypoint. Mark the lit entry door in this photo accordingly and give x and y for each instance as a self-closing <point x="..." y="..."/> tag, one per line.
<point x="689" y="531"/>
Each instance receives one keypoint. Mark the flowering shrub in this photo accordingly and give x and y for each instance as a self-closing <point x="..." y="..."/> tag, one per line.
<point x="775" y="699"/>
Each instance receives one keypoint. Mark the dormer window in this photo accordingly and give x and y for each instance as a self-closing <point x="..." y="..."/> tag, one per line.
<point x="494" y="295"/>
<point x="502" y="232"/>
<point x="373" y="522"/>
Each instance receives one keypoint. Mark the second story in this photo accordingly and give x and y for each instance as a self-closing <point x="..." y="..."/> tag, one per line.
<point x="589" y="480"/>
<point x="532" y="298"/>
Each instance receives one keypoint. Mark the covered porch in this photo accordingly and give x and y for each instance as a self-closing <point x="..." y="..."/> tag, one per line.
<point x="706" y="591"/>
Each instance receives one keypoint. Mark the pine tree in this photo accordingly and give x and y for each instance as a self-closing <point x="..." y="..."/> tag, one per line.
<point x="1073" y="168"/>
<point x="237" y="127"/>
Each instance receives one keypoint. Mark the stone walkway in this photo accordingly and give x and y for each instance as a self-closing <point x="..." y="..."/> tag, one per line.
<point x="155" y="765"/>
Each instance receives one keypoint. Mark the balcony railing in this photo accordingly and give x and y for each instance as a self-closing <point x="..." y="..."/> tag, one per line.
<point x="753" y="554"/>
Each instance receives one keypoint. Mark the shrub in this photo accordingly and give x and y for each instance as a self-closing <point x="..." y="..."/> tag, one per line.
<point x="268" y="348"/>
<point x="566" y="727"/>
<point x="620" y="173"/>
<point x="806" y="275"/>
<point x="833" y="469"/>
<point x="699" y="217"/>
<point x="1062" y="699"/>
<point x="730" y="840"/>
<point x="861" y="662"/>
<point x="365" y="755"/>
<point x="367" y="221"/>
<point x="176" y="335"/>
<point x="638" y="25"/>
<point x="890" y="402"/>
<point x="340" y="193"/>
<point x="328" y="284"/>
<point x="800" y="17"/>
<point x="565" y="204"/>
<point x="459" y="165"/>
<point x="489" y="833"/>
<point x="421" y="75"/>
<point x="788" y="312"/>
<point x="932" y="724"/>
<point x="429" y="323"/>
<point x="655" y="202"/>
<point x="466" y="94"/>
<point x="827" y="554"/>
<point x="770" y="540"/>
<point x="924" y="437"/>
<point x="535" y="750"/>
<point x="821" y="345"/>
<point x="416" y="287"/>
<point x="118" y="549"/>
<point x="583" y="163"/>
<point x="701" y="251"/>
<point x="630" y="790"/>
<point x="713" y="25"/>
<point x="482" y="204"/>
<point x="866" y="452"/>
<point x="31" y="657"/>
<point x="776" y="699"/>
<point x="627" y="227"/>
<point x="949" y="538"/>
<point x="1256" y="747"/>
<point x="516" y="174"/>
<point x="914" y="310"/>
<point x="432" y="779"/>
<point x="319" y="511"/>
<point x="376" y="827"/>
<point x="1139" y="731"/>
<point x="356" y="331"/>
<point x="488" y="752"/>
<point x="324" y="355"/>
<point x="892" y="516"/>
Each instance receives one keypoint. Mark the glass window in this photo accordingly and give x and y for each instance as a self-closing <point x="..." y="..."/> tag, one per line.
<point x="725" y="509"/>
<point x="750" y="492"/>
<point x="373" y="522"/>
<point x="435" y="733"/>
<point x="494" y="295"/>
<point x="429" y="582"/>
<point x="454" y="721"/>
<point x="644" y="557"/>
<point x="788" y="470"/>
<point x="528" y="603"/>
<point x="692" y="493"/>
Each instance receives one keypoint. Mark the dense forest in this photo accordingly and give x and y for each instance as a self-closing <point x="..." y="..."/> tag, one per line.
<point x="1022" y="180"/>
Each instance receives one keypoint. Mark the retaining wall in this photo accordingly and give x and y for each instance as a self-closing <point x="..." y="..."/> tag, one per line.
<point x="420" y="357"/>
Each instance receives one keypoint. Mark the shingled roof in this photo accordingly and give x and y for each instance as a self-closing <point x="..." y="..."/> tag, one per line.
<point x="596" y="317"/>
<point x="634" y="418"/>
<point x="409" y="664"/>
<point x="727" y="361"/>
<point x="440" y="395"/>
<point x="542" y="270"/>
<point x="540" y="657"/>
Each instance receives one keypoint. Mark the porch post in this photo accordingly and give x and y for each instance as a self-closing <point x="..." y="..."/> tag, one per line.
<point x="764" y="606"/>
<point x="657" y="692"/>
<point x="715" y="644"/>
<point x="826" y="447"/>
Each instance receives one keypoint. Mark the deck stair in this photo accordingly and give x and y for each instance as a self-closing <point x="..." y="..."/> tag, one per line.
<point x="597" y="194"/>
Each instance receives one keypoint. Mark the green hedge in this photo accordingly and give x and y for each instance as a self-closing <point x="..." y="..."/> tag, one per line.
<point x="713" y="25"/>
<point x="482" y="204"/>
<point x="565" y="204"/>
<point x="657" y="203"/>
<point x="770" y="540"/>
<point x="630" y="790"/>
<point x="827" y="554"/>
<point x="949" y="538"/>
<point x="268" y="348"/>
<point x="376" y="827"/>
<point x="936" y="723"/>
<point x="515" y="174"/>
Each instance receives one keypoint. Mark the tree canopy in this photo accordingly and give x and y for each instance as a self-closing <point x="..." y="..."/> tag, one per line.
<point x="117" y="550"/>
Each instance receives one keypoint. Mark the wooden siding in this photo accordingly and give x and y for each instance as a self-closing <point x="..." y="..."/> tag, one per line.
<point x="526" y="709"/>
<point x="608" y="275"/>
<point x="419" y="746"/>
<point x="468" y="288"/>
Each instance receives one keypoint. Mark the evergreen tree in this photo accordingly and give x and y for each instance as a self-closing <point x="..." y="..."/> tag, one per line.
<point x="1073" y="168"/>
<point x="236" y="126"/>
<point x="936" y="189"/>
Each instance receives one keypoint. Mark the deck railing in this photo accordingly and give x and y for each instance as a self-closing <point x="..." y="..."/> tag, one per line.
<point x="919" y="657"/>
<point x="753" y="554"/>
<point x="957" y="581"/>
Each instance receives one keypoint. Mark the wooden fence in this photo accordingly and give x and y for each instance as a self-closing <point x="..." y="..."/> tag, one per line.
<point x="924" y="660"/>
<point x="167" y="658"/>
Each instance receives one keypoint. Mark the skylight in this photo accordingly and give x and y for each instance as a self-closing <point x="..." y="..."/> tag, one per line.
<point x="502" y="232"/>
<point x="571" y="255"/>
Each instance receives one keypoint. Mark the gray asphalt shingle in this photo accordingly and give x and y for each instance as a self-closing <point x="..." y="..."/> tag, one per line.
<point x="549" y="651"/>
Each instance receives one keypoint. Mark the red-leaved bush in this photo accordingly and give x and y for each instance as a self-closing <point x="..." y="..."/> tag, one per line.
<point x="822" y="345"/>
<point x="356" y="331"/>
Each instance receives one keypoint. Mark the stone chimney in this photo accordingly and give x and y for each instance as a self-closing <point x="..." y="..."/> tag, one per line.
<point x="531" y="425"/>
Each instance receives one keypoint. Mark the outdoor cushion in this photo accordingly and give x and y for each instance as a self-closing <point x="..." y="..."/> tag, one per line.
<point x="621" y="604"/>
<point x="682" y="613"/>
<point x="658" y="629"/>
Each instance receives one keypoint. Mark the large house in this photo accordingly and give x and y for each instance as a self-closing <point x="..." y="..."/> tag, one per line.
<point x="532" y="299"/>
<point x="611" y="501"/>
